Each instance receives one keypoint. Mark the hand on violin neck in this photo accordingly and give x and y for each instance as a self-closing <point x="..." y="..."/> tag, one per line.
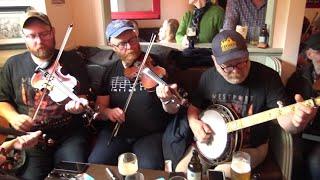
<point x="166" y="93"/>
<point x="21" y="122"/>
<point x="76" y="107"/>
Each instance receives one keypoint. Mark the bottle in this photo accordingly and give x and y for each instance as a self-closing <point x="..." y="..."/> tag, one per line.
<point x="263" y="37"/>
<point x="194" y="171"/>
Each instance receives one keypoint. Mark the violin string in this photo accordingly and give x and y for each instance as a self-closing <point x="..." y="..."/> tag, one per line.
<point x="147" y="71"/>
<point x="117" y="126"/>
<point x="54" y="69"/>
<point x="153" y="37"/>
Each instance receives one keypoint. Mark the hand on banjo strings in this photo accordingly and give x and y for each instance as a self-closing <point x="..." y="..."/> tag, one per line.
<point x="202" y="131"/>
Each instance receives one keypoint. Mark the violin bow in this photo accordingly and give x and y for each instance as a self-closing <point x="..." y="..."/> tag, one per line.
<point x="55" y="65"/>
<point x="117" y="126"/>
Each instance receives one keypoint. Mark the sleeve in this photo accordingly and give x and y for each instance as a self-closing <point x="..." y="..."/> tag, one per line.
<point x="104" y="89"/>
<point x="275" y="91"/>
<point x="298" y="85"/>
<point x="182" y="30"/>
<point x="219" y="19"/>
<point x="198" y="98"/>
<point x="6" y="87"/>
<point x="232" y="15"/>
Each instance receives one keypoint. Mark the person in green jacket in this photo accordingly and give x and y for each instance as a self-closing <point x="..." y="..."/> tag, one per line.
<point x="206" y="20"/>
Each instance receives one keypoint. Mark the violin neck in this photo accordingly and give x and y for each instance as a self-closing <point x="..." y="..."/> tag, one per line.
<point x="147" y="71"/>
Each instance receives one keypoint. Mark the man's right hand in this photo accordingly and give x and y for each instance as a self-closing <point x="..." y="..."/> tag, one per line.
<point x="21" y="122"/>
<point x="114" y="114"/>
<point x="201" y="130"/>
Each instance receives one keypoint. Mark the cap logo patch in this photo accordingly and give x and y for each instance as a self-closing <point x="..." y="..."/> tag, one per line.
<point x="228" y="44"/>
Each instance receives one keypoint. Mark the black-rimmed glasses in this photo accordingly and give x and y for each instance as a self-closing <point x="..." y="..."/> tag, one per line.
<point x="45" y="35"/>
<point x="240" y="65"/>
<point x="124" y="45"/>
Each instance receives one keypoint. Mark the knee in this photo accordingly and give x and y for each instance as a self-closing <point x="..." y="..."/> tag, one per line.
<point x="149" y="163"/>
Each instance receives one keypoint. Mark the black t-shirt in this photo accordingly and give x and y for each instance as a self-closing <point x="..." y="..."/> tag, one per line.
<point x="259" y="92"/>
<point x="144" y="115"/>
<point x="15" y="87"/>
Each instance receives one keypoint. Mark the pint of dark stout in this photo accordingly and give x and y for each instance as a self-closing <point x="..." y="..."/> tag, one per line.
<point x="240" y="166"/>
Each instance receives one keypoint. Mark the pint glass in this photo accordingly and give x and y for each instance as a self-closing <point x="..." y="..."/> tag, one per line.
<point x="240" y="166"/>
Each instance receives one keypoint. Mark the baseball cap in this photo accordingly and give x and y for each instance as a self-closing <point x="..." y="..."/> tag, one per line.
<point x="36" y="15"/>
<point x="116" y="27"/>
<point x="313" y="42"/>
<point x="228" y="45"/>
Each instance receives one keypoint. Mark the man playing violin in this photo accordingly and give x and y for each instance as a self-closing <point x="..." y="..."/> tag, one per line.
<point x="30" y="109"/>
<point x="148" y="112"/>
<point x="246" y="88"/>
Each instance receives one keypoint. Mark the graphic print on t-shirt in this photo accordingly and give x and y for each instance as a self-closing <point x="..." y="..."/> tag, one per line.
<point x="48" y="109"/>
<point x="241" y="105"/>
<point x="123" y="84"/>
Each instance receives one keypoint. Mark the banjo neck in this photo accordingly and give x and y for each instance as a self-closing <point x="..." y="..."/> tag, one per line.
<point x="267" y="115"/>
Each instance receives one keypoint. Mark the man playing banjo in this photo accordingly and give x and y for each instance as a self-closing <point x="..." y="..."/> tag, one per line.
<point x="237" y="87"/>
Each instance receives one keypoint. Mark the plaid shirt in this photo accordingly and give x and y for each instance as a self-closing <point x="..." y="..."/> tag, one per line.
<point x="244" y="12"/>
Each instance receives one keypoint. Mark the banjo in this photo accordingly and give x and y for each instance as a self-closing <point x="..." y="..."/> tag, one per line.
<point x="227" y="128"/>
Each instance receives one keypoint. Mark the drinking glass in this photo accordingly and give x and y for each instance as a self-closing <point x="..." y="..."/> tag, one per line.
<point x="177" y="178"/>
<point x="255" y="35"/>
<point x="127" y="164"/>
<point x="191" y="36"/>
<point x="240" y="166"/>
<point x="243" y="30"/>
<point x="135" y="176"/>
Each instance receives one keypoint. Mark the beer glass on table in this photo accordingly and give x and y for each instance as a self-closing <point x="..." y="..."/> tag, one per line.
<point x="127" y="164"/>
<point x="240" y="166"/>
<point x="191" y="36"/>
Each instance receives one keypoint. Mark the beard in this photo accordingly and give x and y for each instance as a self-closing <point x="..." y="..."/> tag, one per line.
<point x="42" y="52"/>
<point x="129" y="57"/>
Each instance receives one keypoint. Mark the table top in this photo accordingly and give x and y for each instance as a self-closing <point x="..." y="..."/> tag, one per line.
<point x="98" y="171"/>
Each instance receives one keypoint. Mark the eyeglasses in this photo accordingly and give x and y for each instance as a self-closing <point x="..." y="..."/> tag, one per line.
<point x="45" y="35"/>
<point x="240" y="65"/>
<point x="124" y="45"/>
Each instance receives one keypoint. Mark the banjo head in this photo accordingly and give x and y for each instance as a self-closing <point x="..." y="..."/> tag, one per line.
<point x="222" y="145"/>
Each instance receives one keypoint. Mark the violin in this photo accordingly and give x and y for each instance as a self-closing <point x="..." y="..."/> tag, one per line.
<point x="145" y="80"/>
<point x="48" y="77"/>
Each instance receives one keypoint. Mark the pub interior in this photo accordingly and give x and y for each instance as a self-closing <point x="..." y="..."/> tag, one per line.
<point x="92" y="30"/>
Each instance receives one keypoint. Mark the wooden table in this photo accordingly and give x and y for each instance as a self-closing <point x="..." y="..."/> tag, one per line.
<point x="98" y="172"/>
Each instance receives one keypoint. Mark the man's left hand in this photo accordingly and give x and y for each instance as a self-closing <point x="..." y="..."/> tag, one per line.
<point x="303" y="114"/>
<point x="76" y="107"/>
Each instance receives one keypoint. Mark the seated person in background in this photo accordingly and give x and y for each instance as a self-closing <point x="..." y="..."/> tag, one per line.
<point x="147" y="115"/>
<point x="249" y="13"/>
<point x="245" y="87"/>
<point x="306" y="81"/>
<point x="305" y="34"/>
<point x="167" y="32"/>
<point x="22" y="107"/>
<point x="206" y="20"/>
